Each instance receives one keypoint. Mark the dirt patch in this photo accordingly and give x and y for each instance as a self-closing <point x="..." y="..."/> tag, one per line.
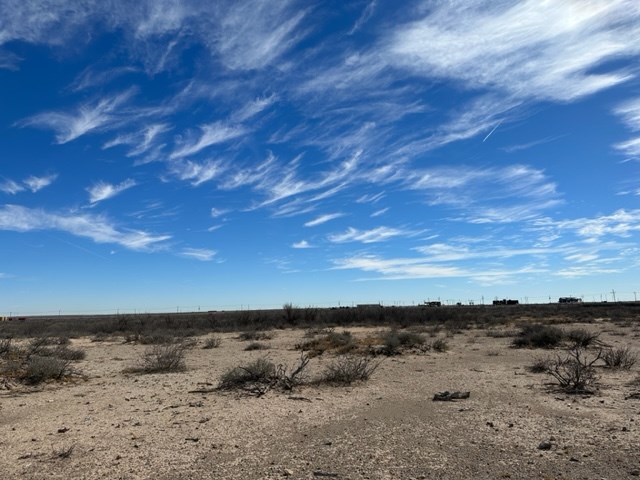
<point x="177" y="426"/>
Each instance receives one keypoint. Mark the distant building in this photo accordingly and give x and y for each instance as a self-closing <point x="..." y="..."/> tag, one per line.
<point x="433" y="304"/>
<point x="569" y="300"/>
<point x="505" y="301"/>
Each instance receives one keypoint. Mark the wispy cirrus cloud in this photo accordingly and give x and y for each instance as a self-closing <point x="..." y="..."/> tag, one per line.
<point x="11" y="187"/>
<point x="89" y="117"/>
<point x="629" y="112"/>
<point x="103" y="190"/>
<point x="35" y="184"/>
<point x="196" y="173"/>
<point x="211" y="134"/>
<point x="254" y="107"/>
<point x="142" y="141"/>
<point x="562" y="43"/>
<point x="253" y="34"/>
<point x="374" y="235"/>
<point x="327" y="217"/>
<point x="621" y="223"/>
<point x="201" y="254"/>
<point x="32" y="182"/>
<point x="95" y="227"/>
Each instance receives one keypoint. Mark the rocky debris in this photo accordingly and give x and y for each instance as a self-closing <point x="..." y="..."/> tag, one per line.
<point x="545" y="445"/>
<point x="447" y="396"/>
<point x="320" y="473"/>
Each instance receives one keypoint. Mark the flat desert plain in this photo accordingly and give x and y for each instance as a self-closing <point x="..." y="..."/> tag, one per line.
<point x="515" y="424"/>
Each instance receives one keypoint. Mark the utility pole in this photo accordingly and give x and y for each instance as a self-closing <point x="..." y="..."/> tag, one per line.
<point x="635" y="299"/>
<point x="613" y="292"/>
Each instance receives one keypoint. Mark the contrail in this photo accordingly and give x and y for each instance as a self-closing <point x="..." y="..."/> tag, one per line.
<point x="491" y="132"/>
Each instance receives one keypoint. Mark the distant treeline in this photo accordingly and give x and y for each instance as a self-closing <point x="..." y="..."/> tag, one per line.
<point x="188" y="324"/>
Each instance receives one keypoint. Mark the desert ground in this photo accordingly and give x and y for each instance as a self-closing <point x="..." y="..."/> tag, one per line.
<point x="115" y="423"/>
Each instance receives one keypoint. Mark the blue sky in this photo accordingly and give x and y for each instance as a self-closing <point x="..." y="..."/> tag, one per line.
<point x="170" y="155"/>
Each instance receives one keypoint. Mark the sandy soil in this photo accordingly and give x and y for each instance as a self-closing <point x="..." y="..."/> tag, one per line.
<point x="124" y="426"/>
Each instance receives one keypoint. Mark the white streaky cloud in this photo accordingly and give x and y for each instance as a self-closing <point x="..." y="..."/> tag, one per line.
<point x="364" y="17"/>
<point x="621" y="223"/>
<point x="140" y="142"/>
<point x="398" y="267"/>
<point x="252" y="34"/>
<point x="630" y="148"/>
<point x="629" y="112"/>
<point x="35" y="184"/>
<point x="218" y="212"/>
<point x="97" y="228"/>
<point x="323" y="219"/>
<point x="442" y="252"/>
<point x="201" y="254"/>
<point x="375" y="235"/>
<point x="371" y="197"/>
<point x="380" y="212"/>
<point x="103" y="190"/>
<point x="10" y="187"/>
<point x="581" y="257"/>
<point x="536" y="49"/>
<point x="91" y="77"/>
<point x="302" y="244"/>
<point x="416" y="268"/>
<point x="254" y="107"/>
<point x="577" y="272"/>
<point x="196" y="172"/>
<point x="87" y="118"/>
<point x="211" y="134"/>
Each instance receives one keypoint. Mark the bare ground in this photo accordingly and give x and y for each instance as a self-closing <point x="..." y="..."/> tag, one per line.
<point x="124" y="426"/>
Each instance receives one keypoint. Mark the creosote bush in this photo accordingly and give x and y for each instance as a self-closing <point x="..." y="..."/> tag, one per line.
<point x="619" y="358"/>
<point x="539" y="365"/>
<point x="395" y="341"/>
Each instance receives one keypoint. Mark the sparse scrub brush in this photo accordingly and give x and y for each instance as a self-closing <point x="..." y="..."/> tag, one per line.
<point x="619" y="358"/>
<point x="347" y="370"/>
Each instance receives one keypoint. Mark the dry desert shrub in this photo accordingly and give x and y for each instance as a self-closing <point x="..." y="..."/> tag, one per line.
<point x="39" y="369"/>
<point x="213" y="342"/>
<point x="583" y="338"/>
<point x="395" y="341"/>
<point x="343" y="342"/>
<point x="256" y="346"/>
<point x="619" y="358"/>
<point x="575" y="372"/>
<point x="255" y="335"/>
<point x="262" y="375"/>
<point x="439" y="345"/>
<point x="539" y="336"/>
<point x="347" y="370"/>
<point x="162" y="359"/>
